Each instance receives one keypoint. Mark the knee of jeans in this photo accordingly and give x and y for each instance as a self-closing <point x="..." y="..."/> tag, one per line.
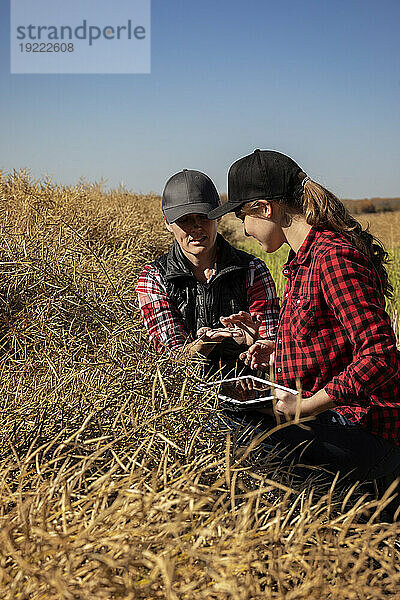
<point x="384" y="483"/>
<point x="388" y="467"/>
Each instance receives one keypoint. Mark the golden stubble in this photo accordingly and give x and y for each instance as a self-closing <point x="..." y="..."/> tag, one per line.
<point x="116" y="479"/>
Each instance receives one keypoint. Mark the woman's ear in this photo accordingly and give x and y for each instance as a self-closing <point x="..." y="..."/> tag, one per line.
<point x="266" y="207"/>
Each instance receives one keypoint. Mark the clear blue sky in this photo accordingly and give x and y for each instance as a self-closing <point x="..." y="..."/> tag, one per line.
<point x="316" y="79"/>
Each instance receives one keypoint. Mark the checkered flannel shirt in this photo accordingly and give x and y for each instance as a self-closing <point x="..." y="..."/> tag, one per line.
<point x="164" y="322"/>
<point x="334" y="333"/>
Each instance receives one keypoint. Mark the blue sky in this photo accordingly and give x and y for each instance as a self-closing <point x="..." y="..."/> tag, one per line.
<point x="318" y="80"/>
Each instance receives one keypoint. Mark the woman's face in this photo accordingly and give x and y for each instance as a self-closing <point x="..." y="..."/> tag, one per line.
<point x="263" y="224"/>
<point x="194" y="233"/>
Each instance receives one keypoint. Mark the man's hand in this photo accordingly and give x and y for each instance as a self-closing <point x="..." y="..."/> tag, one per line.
<point x="206" y="340"/>
<point x="247" y="325"/>
<point x="213" y="335"/>
<point x="259" y="355"/>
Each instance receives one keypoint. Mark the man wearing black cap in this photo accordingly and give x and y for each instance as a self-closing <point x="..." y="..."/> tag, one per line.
<point x="185" y="294"/>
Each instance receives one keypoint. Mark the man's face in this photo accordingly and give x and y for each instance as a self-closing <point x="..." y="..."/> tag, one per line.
<point x="194" y="233"/>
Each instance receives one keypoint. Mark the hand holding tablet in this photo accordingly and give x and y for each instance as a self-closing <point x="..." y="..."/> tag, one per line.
<point x="245" y="392"/>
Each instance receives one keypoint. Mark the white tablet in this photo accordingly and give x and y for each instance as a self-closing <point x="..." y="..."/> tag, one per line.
<point x="245" y="392"/>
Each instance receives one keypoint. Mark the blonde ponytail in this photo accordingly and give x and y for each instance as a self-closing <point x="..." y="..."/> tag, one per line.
<point x="321" y="208"/>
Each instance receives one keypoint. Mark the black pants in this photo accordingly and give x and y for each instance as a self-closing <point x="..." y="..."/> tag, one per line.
<point x="329" y="440"/>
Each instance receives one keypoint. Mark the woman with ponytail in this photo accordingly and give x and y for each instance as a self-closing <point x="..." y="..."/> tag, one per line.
<point x="334" y="342"/>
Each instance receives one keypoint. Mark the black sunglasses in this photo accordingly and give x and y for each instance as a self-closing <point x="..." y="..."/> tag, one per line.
<point x="239" y="212"/>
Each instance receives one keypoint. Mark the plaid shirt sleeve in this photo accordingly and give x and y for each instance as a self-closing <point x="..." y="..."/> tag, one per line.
<point x="352" y="289"/>
<point x="262" y="298"/>
<point x="160" y="316"/>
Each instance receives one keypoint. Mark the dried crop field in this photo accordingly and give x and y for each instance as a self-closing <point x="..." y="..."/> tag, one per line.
<point x="115" y="481"/>
<point x="385" y="225"/>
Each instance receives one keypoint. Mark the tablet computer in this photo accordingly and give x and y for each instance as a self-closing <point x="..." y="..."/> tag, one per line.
<point x="245" y="392"/>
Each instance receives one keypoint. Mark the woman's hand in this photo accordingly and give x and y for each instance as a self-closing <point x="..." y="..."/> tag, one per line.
<point x="247" y="325"/>
<point x="291" y="405"/>
<point x="287" y="404"/>
<point x="260" y="355"/>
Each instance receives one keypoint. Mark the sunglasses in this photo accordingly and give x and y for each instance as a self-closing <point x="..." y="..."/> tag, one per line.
<point x="240" y="213"/>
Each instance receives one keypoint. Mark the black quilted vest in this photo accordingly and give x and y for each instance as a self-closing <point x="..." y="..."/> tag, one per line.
<point x="202" y="304"/>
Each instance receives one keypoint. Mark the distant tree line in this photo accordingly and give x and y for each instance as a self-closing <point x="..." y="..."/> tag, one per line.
<point x="372" y="205"/>
<point x="364" y="205"/>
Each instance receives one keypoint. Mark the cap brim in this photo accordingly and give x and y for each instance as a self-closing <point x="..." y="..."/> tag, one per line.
<point x="224" y="209"/>
<point x="175" y="213"/>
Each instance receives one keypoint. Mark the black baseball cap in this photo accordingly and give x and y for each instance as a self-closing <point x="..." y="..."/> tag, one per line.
<point x="264" y="174"/>
<point x="188" y="192"/>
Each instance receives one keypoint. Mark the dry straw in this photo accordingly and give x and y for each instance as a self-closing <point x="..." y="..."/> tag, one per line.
<point x="116" y="480"/>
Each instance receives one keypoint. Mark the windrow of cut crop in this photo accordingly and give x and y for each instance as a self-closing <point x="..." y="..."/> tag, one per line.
<point x="116" y="479"/>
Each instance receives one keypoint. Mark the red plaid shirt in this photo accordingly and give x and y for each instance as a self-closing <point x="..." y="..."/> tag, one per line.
<point x="164" y="322"/>
<point x="334" y="333"/>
